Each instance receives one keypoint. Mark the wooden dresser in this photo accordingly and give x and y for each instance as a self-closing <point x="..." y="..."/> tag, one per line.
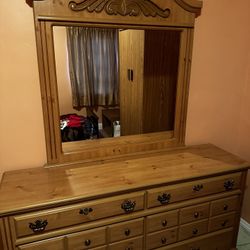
<point x="187" y="198"/>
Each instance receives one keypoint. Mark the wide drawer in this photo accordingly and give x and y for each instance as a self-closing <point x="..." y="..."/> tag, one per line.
<point x="87" y="239"/>
<point x="47" y="220"/>
<point x="222" y="221"/>
<point x="131" y="244"/>
<point x="190" y="190"/>
<point x="194" y="213"/>
<point x="225" y="205"/>
<point x="125" y="230"/>
<point x="193" y="229"/>
<point x="51" y="244"/>
<point x="162" y="238"/>
<point x="162" y="221"/>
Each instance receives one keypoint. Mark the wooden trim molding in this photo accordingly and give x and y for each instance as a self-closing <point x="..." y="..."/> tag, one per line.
<point x="121" y="7"/>
<point x="193" y="6"/>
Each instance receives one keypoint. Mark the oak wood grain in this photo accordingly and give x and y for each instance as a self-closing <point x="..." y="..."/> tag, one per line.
<point x="39" y="187"/>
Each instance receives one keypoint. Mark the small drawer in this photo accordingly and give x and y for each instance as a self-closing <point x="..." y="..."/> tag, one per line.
<point x="50" y="244"/>
<point x="87" y="239"/>
<point x="194" y="213"/>
<point x="162" y="238"/>
<point x="161" y="221"/>
<point x="131" y="244"/>
<point x="225" y="205"/>
<point x="51" y="219"/>
<point x="222" y="241"/>
<point x="193" y="229"/>
<point x="221" y="222"/>
<point x="195" y="189"/>
<point x="125" y="230"/>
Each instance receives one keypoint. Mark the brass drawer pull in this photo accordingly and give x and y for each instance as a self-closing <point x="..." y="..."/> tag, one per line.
<point x="225" y="208"/>
<point x="196" y="215"/>
<point x="224" y="223"/>
<point x="39" y="226"/>
<point x="163" y="240"/>
<point x="164" y="198"/>
<point x="87" y="242"/>
<point x="128" y="206"/>
<point x="127" y="232"/>
<point x="198" y="187"/>
<point x="195" y="231"/>
<point x="129" y="248"/>
<point x="85" y="211"/>
<point x="164" y="223"/>
<point x="228" y="185"/>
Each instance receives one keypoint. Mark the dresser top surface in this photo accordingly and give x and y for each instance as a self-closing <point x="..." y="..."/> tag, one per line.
<point x="25" y="190"/>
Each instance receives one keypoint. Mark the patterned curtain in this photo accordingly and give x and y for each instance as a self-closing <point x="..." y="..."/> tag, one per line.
<point x="93" y="66"/>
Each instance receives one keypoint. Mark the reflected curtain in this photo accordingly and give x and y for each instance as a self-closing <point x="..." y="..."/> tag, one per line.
<point x="93" y="66"/>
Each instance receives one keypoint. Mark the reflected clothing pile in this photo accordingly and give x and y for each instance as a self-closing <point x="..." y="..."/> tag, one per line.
<point x="75" y="128"/>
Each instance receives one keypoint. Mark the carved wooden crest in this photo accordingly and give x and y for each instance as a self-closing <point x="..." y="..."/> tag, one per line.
<point x="121" y="7"/>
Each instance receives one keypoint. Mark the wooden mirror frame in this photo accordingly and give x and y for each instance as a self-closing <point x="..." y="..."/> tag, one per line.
<point x="154" y="14"/>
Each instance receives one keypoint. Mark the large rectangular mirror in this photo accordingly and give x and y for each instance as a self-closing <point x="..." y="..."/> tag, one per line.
<point x="115" y="82"/>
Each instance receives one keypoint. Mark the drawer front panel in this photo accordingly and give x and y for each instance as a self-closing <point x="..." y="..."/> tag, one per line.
<point x="225" y="205"/>
<point x="132" y="244"/>
<point x="87" y="239"/>
<point x="193" y="229"/>
<point x="162" y="238"/>
<point x="77" y="214"/>
<point x="222" y="221"/>
<point x="126" y="230"/>
<point x="194" y="213"/>
<point x="199" y="188"/>
<point x="162" y="221"/>
<point x="52" y="244"/>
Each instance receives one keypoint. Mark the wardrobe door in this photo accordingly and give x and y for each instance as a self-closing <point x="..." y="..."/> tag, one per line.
<point x="131" y="54"/>
<point x="161" y="61"/>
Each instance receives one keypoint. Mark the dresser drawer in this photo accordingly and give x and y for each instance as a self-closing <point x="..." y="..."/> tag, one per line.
<point x="194" y="213"/>
<point x="131" y="244"/>
<point x="163" y="220"/>
<point x="193" y="229"/>
<point x="126" y="230"/>
<point x="47" y="220"/>
<point x="87" y="239"/>
<point x="221" y="222"/>
<point x="51" y="244"/>
<point x="190" y="190"/>
<point x="162" y="238"/>
<point x="225" y="205"/>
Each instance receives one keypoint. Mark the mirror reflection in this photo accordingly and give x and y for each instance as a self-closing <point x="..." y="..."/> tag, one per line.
<point x="115" y="82"/>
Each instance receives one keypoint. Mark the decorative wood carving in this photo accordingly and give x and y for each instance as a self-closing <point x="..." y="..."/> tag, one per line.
<point x="193" y="6"/>
<point x="121" y="7"/>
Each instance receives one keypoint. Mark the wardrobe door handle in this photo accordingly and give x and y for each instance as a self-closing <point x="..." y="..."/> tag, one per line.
<point x="132" y="75"/>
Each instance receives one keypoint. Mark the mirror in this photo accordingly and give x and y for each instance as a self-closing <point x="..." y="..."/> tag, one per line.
<point x="114" y="82"/>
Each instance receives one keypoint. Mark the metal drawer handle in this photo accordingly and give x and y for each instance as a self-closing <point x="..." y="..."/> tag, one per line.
<point x="128" y="206"/>
<point x="129" y="248"/>
<point x="225" y="208"/>
<point x="164" y="198"/>
<point x="127" y="232"/>
<point x="229" y="184"/>
<point x="164" y="223"/>
<point x="196" y="215"/>
<point x="86" y="211"/>
<point x="39" y="226"/>
<point x="224" y="223"/>
<point x="163" y="240"/>
<point x="198" y="187"/>
<point x="87" y="242"/>
<point x="195" y="231"/>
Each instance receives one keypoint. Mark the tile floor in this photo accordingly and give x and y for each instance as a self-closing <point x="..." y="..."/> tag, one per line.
<point x="243" y="240"/>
